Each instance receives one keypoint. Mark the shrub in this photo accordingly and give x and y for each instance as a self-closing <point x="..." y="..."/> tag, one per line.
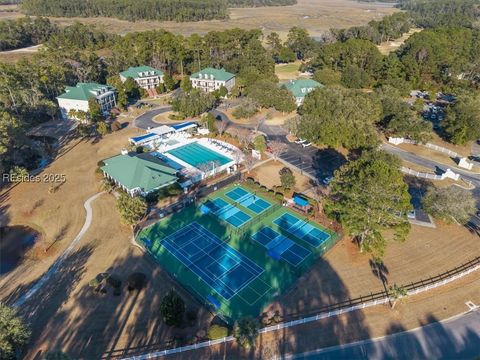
<point x="176" y="117"/>
<point x="136" y="281"/>
<point x="172" y="308"/>
<point x="250" y="181"/>
<point x="279" y="196"/>
<point x="245" y="111"/>
<point x="217" y="332"/>
<point x="114" y="281"/>
<point x="116" y="126"/>
<point x="191" y="315"/>
<point x="139" y="149"/>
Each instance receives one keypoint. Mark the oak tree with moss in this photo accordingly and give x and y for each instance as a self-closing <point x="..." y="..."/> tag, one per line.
<point x="369" y="197"/>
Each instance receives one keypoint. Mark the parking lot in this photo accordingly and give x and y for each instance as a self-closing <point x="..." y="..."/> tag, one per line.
<point x="319" y="164"/>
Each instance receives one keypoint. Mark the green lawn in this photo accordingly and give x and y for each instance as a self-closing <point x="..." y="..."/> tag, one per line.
<point x="287" y="68"/>
<point x="276" y="277"/>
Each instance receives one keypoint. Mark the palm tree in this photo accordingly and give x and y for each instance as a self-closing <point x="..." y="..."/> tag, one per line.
<point x="396" y="293"/>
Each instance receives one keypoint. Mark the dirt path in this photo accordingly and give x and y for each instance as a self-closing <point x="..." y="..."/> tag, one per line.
<point x="52" y="270"/>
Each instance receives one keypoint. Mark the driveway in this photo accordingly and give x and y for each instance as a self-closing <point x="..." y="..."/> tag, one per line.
<point x="145" y="121"/>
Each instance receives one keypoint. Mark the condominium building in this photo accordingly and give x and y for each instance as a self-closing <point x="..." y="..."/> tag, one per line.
<point x="210" y="79"/>
<point x="76" y="98"/>
<point x="145" y="76"/>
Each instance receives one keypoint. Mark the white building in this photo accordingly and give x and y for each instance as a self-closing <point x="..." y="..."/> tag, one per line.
<point x="76" y="98"/>
<point x="145" y="76"/>
<point x="210" y="79"/>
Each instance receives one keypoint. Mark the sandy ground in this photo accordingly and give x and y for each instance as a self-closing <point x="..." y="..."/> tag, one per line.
<point x="267" y="175"/>
<point x="58" y="215"/>
<point x="314" y="15"/>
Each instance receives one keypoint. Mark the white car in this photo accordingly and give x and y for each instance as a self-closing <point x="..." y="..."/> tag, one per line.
<point x="327" y="180"/>
<point x="411" y="214"/>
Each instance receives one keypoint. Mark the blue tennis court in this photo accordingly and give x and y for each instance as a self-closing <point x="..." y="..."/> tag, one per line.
<point x="219" y="265"/>
<point x="302" y="229"/>
<point x="248" y="200"/>
<point x="228" y="212"/>
<point x="280" y="247"/>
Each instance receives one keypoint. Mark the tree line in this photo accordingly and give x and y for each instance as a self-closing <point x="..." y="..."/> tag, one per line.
<point x="256" y="3"/>
<point x="164" y="10"/>
<point x="25" y="32"/>
<point x="168" y="10"/>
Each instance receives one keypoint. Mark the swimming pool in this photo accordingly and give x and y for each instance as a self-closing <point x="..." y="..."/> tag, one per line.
<point x="196" y="154"/>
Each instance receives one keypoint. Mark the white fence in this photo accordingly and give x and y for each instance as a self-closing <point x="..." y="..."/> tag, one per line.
<point x="305" y="320"/>
<point x="449" y="174"/>
<point x="462" y="161"/>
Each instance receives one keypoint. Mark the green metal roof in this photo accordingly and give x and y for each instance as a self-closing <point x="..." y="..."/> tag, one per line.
<point x="218" y="74"/>
<point x="83" y="91"/>
<point x="142" y="171"/>
<point x="140" y="71"/>
<point x="301" y="87"/>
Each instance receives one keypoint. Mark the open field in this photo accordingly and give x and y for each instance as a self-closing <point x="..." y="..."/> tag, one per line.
<point x="314" y="15"/>
<point x="288" y="71"/>
<point x="390" y="46"/>
<point x="58" y="215"/>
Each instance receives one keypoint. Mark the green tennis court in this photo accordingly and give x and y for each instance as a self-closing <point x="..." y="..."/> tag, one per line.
<point x="235" y="272"/>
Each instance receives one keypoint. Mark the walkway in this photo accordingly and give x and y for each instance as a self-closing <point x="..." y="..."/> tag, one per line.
<point x="454" y="338"/>
<point x="52" y="270"/>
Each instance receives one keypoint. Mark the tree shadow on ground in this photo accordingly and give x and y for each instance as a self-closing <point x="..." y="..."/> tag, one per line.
<point x="326" y="161"/>
<point x="106" y="325"/>
<point x="417" y="189"/>
<point x="43" y="305"/>
<point x="432" y="341"/>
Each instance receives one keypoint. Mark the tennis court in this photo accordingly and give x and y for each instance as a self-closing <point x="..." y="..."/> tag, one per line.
<point x="302" y="229"/>
<point x="220" y="266"/>
<point x="248" y="200"/>
<point x="210" y="250"/>
<point x="225" y="211"/>
<point x="281" y="247"/>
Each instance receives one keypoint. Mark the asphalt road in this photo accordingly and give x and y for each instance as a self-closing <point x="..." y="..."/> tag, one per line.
<point x="145" y="121"/>
<point x="473" y="178"/>
<point x="455" y="338"/>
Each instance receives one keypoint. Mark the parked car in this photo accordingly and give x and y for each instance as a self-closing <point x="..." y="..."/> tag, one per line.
<point x="327" y="180"/>
<point x="411" y="214"/>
